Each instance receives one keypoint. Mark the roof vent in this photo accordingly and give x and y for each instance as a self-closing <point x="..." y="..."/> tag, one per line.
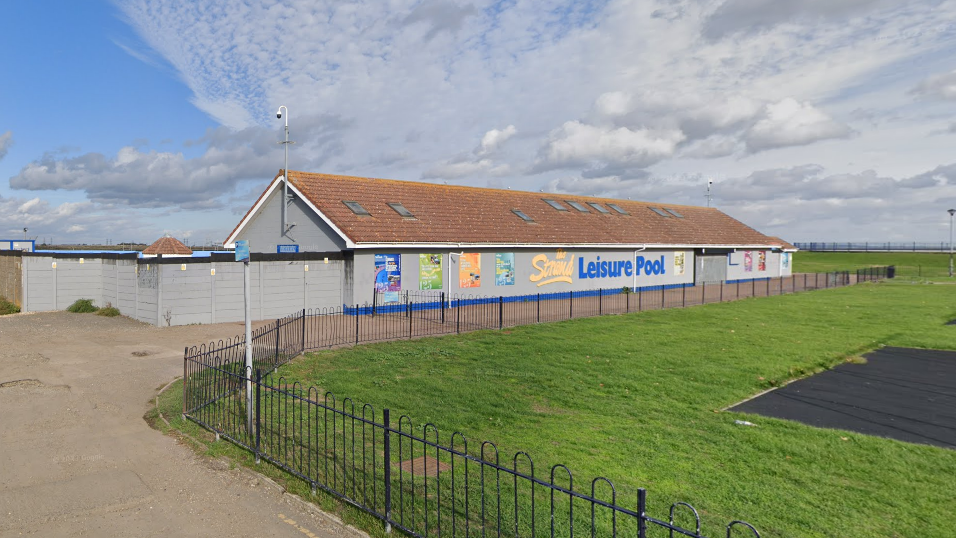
<point x="356" y="208"/>
<point x="401" y="210"/>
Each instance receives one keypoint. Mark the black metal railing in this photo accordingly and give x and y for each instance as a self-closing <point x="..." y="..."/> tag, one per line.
<point x="873" y="246"/>
<point x="407" y="475"/>
<point x="283" y="423"/>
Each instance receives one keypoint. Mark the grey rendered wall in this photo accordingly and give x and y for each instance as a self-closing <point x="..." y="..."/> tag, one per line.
<point x="711" y="268"/>
<point x="39" y="284"/>
<point x="310" y="232"/>
<point x="186" y="294"/>
<point x="126" y="294"/>
<point x="525" y="269"/>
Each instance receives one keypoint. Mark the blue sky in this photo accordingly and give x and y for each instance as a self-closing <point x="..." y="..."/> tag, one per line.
<point x="818" y="120"/>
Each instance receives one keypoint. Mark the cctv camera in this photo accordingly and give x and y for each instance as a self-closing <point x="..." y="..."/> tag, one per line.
<point x="279" y="115"/>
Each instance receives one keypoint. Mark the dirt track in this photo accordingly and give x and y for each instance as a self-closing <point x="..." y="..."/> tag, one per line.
<point x="77" y="458"/>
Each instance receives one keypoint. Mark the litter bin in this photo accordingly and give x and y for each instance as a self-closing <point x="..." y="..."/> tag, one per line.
<point x="891" y="271"/>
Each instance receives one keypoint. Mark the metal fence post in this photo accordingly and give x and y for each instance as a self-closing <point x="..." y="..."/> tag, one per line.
<point x="442" y="308"/>
<point x="627" y="301"/>
<point x="539" y="308"/>
<point x="258" y="387"/>
<point x="642" y="513"/>
<point x="662" y="297"/>
<point x="303" y="329"/>
<point x="356" y="323"/>
<point x="185" y="385"/>
<point x="683" y="296"/>
<point x="388" y="470"/>
<point x="600" y="301"/>
<point x="501" y="312"/>
<point x="570" y="304"/>
<point x="410" y="317"/>
<point x="703" y="293"/>
<point x="278" y="332"/>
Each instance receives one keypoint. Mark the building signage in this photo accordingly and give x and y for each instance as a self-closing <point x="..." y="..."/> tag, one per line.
<point x="562" y="268"/>
<point x="429" y="272"/>
<point x="469" y="270"/>
<point x="388" y="273"/>
<point x="504" y="269"/>
<point x="287" y="249"/>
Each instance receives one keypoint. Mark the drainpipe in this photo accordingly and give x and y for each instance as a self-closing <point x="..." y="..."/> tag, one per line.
<point x="642" y="249"/>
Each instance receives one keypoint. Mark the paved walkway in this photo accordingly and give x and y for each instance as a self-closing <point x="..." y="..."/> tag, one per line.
<point x="904" y="394"/>
<point x="77" y="458"/>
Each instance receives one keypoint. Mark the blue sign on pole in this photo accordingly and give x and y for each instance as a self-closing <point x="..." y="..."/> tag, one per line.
<point x="242" y="250"/>
<point x="287" y="249"/>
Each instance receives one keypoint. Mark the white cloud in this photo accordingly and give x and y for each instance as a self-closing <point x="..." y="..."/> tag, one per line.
<point x="493" y="139"/>
<point x="578" y="145"/>
<point x="790" y="123"/>
<point x="941" y="86"/>
<point x="6" y="140"/>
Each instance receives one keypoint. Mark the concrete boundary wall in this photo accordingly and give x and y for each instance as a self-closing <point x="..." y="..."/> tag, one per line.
<point x="182" y="291"/>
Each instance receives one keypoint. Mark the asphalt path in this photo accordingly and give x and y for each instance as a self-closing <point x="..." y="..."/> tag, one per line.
<point x="904" y="394"/>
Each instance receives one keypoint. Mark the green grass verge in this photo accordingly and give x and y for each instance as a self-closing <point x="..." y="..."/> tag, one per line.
<point x="908" y="264"/>
<point x="636" y="398"/>
<point x="6" y="307"/>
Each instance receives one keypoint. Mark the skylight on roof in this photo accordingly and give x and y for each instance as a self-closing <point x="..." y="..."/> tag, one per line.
<point x="523" y="216"/>
<point x="660" y="212"/>
<point x="599" y="207"/>
<point x="675" y="213"/>
<point x="401" y="210"/>
<point x="617" y="208"/>
<point x="356" y="208"/>
<point x="555" y="204"/>
<point x="577" y="206"/>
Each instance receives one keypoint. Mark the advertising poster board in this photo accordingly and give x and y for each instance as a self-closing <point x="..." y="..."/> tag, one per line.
<point x="748" y="261"/>
<point x="469" y="270"/>
<point x="679" y="263"/>
<point x="785" y="260"/>
<point x="388" y="275"/>
<point x="762" y="260"/>
<point x="504" y="269"/>
<point x="429" y="272"/>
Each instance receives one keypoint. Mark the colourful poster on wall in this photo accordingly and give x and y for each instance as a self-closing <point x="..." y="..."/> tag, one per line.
<point x="429" y="272"/>
<point x="679" y="263"/>
<point x="388" y="272"/>
<point x="504" y="269"/>
<point x="469" y="270"/>
<point x="762" y="260"/>
<point x="785" y="260"/>
<point x="748" y="261"/>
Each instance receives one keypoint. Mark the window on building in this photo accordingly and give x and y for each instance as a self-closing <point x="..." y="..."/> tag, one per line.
<point x="659" y="212"/>
<point x="555" y="204"/>
<point x="599" y="207"/>
<point x="401" y="210"/>
<point x="356" y="208"/>
<point x="675" y="213"/>
<point x="617" y="208"/>
<point x="577" y="206"/>
<point x="523" y="216"/>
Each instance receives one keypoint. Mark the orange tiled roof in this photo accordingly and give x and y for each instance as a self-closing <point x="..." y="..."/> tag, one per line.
<point x="168" y="245"/>
<point x="459" y="214"/>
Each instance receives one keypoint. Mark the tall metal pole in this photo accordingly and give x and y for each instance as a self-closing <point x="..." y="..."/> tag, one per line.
<point x="951" y="213"/>
<point x="248" y="370"/>
<point x="285" y="170"/>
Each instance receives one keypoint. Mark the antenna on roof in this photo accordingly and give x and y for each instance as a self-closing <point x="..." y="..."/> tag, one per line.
<point x="709" y="196"/>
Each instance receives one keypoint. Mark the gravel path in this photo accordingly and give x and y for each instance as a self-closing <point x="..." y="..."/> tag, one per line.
<point x="77" y="458"/>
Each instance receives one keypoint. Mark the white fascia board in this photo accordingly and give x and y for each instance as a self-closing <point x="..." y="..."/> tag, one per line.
<point x="231" y="240"/>
<point x="549" y="246"/>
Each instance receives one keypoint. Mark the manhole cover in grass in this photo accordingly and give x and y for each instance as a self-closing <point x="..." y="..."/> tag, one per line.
<point x="423" y="465"/>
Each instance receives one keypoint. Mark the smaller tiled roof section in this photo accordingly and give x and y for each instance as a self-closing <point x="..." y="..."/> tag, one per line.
<point x="784" y="245"/>
<point x="168" y="245"/>
<point x="459" y="214"/>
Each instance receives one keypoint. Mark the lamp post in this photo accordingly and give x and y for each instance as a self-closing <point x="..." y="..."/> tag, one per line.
<point x="951" y="213"/>
<point x="285" y="169"/>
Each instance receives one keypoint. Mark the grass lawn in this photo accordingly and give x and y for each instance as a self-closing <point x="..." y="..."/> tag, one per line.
<point x="637" y="398"/>
<point x="908" y="264"/>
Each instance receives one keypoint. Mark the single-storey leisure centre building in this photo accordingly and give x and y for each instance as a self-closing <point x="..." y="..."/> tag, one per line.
<point x="397" y="237"/>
